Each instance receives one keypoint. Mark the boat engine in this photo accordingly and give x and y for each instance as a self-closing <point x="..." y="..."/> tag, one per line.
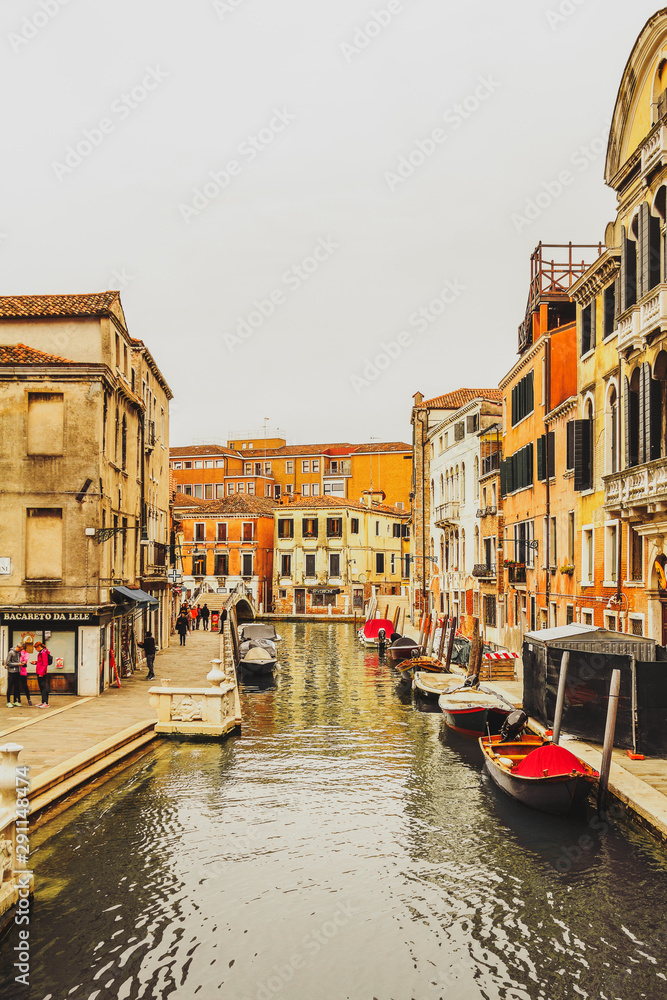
<point x="382" y="640"/>
<point x="472" y="681"/>
<point x="513" y="726"/>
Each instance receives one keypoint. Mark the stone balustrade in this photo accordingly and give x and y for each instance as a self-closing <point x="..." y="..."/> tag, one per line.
<point x="15" y="880"/>
<point x="641" y="487"/>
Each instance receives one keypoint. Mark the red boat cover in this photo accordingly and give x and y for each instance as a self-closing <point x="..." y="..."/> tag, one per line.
<point x="372" y="627"/>
<point x="549" y="760"/>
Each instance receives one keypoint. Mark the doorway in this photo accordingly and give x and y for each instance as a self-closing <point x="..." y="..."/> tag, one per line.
<point x="300" y="602"/>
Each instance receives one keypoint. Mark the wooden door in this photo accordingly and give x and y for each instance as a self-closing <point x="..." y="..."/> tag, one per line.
<point x="300" y="602"/>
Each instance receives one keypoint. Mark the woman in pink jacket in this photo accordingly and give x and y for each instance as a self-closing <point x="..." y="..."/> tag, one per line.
<point x="42" y="667"/>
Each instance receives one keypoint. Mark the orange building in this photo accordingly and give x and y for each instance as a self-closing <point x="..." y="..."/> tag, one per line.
<point x="271" y="468"/>
<point x="225" y="542"/>
<point x="539" y="449"/>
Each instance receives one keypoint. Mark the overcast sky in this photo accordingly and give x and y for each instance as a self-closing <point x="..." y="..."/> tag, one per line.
<point x="288" y="191"/>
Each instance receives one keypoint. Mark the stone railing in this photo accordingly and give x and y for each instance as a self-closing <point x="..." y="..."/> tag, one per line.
<point x="207" y="712"/>
<point x="646" y="315"/>
<point x="638" y="487"/>
<point x="653" y="151"/>
<point x="447" y="511"/>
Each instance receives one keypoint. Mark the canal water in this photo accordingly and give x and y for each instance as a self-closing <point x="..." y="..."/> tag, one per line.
<point x="347" y="846"/>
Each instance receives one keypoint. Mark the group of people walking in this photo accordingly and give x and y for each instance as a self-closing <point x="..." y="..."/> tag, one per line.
<point x="190" y="618"/>
<point x="17" y="674"/>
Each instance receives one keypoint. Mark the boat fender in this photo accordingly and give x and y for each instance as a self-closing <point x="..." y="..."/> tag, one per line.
<point x="506" y="761"/>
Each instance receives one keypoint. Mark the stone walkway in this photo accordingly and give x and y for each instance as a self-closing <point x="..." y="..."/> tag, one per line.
<point x="73" y="725"/>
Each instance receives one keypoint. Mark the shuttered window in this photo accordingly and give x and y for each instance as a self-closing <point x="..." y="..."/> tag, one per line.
<point x="334" y="527"/>
<point x="609" y="310"/>
<point x="472" y="423"/>
<point x="583" y="454"/>
<point x="588" y="316"/>
<point x="628" y="271"/>
<point x="44" y="544"/>
<point x="523" y="401"/>
<point x="516" y="472"/>
<point x="459" y="430"/>
<point x="309" y="527"/>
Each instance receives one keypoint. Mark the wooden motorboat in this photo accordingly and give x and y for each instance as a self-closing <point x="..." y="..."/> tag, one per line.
<point x="538" y="773"/>
<point x="429" y="664"/>
<point x="402" y="649"/>
<point x="474" y="711"/>
<point x="258" y="630"/>
<point x="431" y="685"/>
<point x="371" y="630"/>
<point x="257" y="659"/>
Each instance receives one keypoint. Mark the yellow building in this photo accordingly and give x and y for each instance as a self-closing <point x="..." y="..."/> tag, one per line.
<point x="331" y="555"/>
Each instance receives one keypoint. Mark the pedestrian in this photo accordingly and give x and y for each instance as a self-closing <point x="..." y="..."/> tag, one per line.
<point x="23" y="673"/>
<point x="148" y="646"/>
<point x="194" y="616"/>
<point x="13" y="664"/>
<point x="205" y="615"/>
<point x="182" y="627"/>
<point x="222" y="620"/>
<point x="41" y="664"/>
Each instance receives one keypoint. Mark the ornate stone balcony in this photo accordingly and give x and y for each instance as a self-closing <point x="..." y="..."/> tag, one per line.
<point x="635" y="326"/>
<point x="447" y="512"/>
<point x="654" y="152"/>
<point x="642" y="489"/>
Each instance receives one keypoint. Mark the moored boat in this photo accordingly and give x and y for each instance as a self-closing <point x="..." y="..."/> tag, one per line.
<point x="538" y="773"/>
<point x="369" y="634"/>
<point x="258" y="630"/>
<point x="474" y="711"/>
<point x="402" y="649"/>
<point x="257" y="659"/>
<point x="431" y="685"/>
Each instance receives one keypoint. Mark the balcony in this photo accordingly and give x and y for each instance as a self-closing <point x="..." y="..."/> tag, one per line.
<point x="487" y="511"/>
<point x="642" y="489"/>
<point x="447" y="512"/>
<point x="490" y="463"/>
<point x="516" y="574"/>
<point x="337" y="468"/>
<point x="484" y="571"/>
<point x="650" y="313"/>
<point x="654" y="152"/>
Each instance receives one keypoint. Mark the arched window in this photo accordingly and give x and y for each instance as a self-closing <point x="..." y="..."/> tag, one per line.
<point x="476" y="475"/>
<point x="123" y="444"/>
<point x="476" y="553"/>
<point x="612" y="431"/>
<point x="495" y="496"/>
<point x="463" y="549"/>
<point x="463" y="482"/>
<point x="442" y="488"/>
<point x="456" y="491"/>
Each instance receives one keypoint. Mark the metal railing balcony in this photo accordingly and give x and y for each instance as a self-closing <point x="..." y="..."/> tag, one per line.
<point x="484" y="571"/>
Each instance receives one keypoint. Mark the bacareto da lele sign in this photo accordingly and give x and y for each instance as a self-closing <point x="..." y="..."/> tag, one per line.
<point x="53" y="617"/>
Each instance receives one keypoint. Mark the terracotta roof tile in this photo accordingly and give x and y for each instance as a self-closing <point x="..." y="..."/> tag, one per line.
<point x="19" y="354"/>
<point x="459" y="397"/>
<point x="237" y="503"/>
<point x="92" y="304"/>
<point x="289" y="450"/>
<point x="199" y="450"/>
<point x="329" y="503"/>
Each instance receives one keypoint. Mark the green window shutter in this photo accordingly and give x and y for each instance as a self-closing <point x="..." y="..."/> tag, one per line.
<point x="551" y="455"/>
<point x="541" y="474"/>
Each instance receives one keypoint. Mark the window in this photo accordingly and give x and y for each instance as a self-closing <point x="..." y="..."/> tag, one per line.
<point x="334" y="527"/>
<point x="323" y="600"/>
<point x="334" y="564"/>
<point x="198" y="491"/>
<point x="553" y="549"/>
<point x="178" y="465"/>
<point x="289" y="468"/>
<point x="587" y="555"/>
<point x="569" y="614"/>
<point x="246" y="564"/>
<point x="289" y="489"/>
<point x="354" y="525"/>
<point x="316" y="465"/>
<point x="199" y="564"/>
<point x="199" y="464"/>
<point x="588" y="328"/>
<point x="379" y="562"/>
<point x="393" y="563"/>
<point x="305" y="466"/>
<point x="377" y="527"/>
<point x="248" y="532"/>
<point x="310" y="565"/>
<point x="396" y="530"/>
<point x="309" y="527"/>
<point x="609" y="310"/>
<point x="285" y="565"/>
<point x="546" y="456"/>
<point x="221" y="564"/>
<point x="587" y="617"/>
<point x="219" y="463"/>
<point x="277" y="489"/>
<point x="240" y="487"/>
<point x="208" y="464"/>
<point x="315" y="489"/>
<point x="522" y="399"/>
<point x="611" y="553"/>
<point x="516" y="472"/>
<point x="247" y="468"/>
<point x="611" y="431"/>
<point x="251" y="489"/>
<point x="285" y="527"/>
<point x="580" y="450"/>
<point x="570" y="538"/>
<point x="208" y="491"/>
<point x="44" y="544"/>
<point x="45" y="423"/>
<point x="219" y="491"/>
<point x="258" y="468"/>
<point x="305" y="490"/>
<point x="489" y="610"/>
<point x="636" y="555"/>
<point x="187" y="490"/>
<point x="637" y="625"/>
<point x="221" y="531"/>
<point x="200" y="531"/>
<point x="230" y="489"/>
<point x="187" y="465"/>
<point x="267" y="468"/>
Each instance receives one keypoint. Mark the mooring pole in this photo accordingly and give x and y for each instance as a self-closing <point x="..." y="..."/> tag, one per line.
<point x="560" y="699"/>
<point x="612" y="708"/>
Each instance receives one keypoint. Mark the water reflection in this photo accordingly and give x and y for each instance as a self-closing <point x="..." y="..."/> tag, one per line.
<point x="347" y="846"/>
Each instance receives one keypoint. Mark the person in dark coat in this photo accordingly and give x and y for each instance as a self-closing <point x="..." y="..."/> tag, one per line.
<point x="13" y="664"/>
<point x="205" y="614"/>
<point x="182" y="627"/>
<point x="222" y="620"/>
<point x="148" y="646"/>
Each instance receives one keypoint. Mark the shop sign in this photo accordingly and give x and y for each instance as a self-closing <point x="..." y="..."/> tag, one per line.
<point x="49" y="616"/>
<point x="5" y="566"/>
<point x="318" y="590"/>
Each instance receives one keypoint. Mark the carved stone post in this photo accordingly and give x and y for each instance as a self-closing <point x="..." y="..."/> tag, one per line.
<point x="9" y="754"/>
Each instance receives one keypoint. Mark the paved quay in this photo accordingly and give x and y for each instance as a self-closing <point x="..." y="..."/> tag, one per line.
<point x="50" y="737"/>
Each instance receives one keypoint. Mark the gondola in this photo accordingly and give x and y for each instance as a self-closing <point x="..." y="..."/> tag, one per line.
<point x="474" y="711"/>
<point x="536" y="772"/>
